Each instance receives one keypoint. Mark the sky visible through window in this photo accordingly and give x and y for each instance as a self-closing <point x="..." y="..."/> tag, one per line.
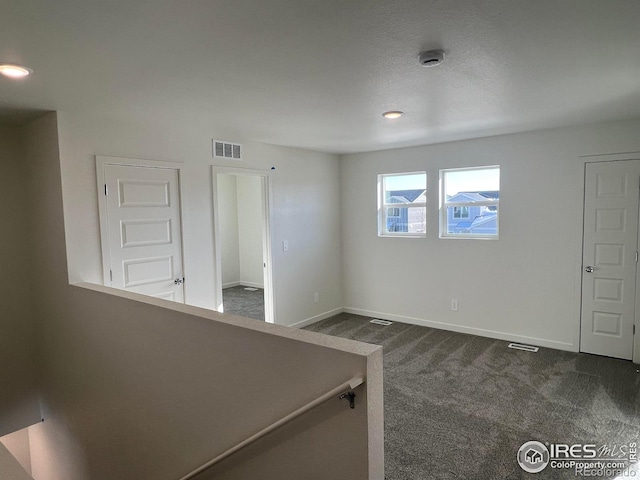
<point x="457" y="181"/>
<point x="410" y="181"/>
<point x="486" y="179"/>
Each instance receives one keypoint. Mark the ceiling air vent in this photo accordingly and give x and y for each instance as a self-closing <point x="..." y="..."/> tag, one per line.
<point x="228" y="150"/>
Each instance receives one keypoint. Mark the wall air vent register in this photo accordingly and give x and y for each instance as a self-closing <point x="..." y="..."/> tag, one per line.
<point x="228" y="150"/>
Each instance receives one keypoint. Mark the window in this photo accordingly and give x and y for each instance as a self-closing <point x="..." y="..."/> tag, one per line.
<point x="469" y="199"/>
<point x="402" y="204"/>
<point x="460" y="212"/>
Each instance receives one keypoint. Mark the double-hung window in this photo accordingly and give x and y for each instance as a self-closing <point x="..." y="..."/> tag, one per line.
<point x="402" y="204"/>
<point x="469" y="201"/>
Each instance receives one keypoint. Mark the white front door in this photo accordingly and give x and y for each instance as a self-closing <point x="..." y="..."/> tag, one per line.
<point x="609" y="259"/>
<point x="144" y="231"/>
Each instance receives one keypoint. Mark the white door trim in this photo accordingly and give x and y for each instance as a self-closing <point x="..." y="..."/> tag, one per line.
<point x="269" y="295"/>
<point x="101" y="162"/>
<point x="600" y="159"/>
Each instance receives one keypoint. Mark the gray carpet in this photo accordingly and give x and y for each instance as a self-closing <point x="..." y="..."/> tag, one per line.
<point x="239" y="301"/>
<point x="459" y="406"/>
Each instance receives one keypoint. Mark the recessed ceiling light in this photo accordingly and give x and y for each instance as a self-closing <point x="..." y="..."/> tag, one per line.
<point x="15" y="71"/>
<point x="392" y="114"/>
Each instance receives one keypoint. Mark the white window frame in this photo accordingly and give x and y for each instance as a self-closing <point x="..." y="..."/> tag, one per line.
<point x="382" y="207"/>
<point x="444" y="205"/>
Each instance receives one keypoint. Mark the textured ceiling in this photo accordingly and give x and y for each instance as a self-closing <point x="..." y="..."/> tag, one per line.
<point x="318" y="74"/>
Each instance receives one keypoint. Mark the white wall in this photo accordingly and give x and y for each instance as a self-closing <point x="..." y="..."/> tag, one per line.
<point x="10" y="468"/>
<point x="18" y="395"/>
<point x="305" y="207"/>
<point x="140" y="388"/>
<point x="18" y="444"/>
<point x="250" y="230"/>
<point x="229" y="243"/>
<point x="524" y="286"/>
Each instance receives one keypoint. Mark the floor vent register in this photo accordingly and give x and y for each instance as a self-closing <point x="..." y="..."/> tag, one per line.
<point x="526" y="348"/>
<point x="381" y="322"/>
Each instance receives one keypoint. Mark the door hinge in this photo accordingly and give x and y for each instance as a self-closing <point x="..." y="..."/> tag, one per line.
<point x="111" y="275"/>
<point x="106" y="190"/>
<point x="636" y="257"/>
<point x="634" y="329"/>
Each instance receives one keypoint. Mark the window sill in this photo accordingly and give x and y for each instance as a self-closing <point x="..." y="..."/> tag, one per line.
<point x="386" y="235"/>
<point x="467" y="237"/>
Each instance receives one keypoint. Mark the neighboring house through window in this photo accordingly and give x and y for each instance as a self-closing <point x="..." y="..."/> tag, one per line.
<point x="393" y="212"/>
<point x="402" y="204"/>
<point x="470" y="199"/>
<point x="460" y="212"/>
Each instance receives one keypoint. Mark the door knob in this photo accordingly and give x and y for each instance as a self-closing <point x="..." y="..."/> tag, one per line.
<point x="588" y="269"/>
<point x="179" y="281"/>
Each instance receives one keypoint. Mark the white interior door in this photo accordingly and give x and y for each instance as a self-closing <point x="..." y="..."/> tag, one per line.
<point x="609" y="262"/>
<point x="144" y="230"/>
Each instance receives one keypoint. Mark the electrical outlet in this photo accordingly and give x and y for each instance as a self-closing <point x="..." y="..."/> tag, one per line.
<point x="454" y="305"/>
<point x="316" y="297"/>
<point x="285" y="245"/>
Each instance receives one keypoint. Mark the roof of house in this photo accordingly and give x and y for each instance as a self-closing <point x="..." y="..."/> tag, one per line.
<point x="493" y="194"/>
<point x="409" y="196"/>
<point x="476" y="222"/>
<point x="481" y="220"/>
<point x="478" y="196"/>
<point x="465" y="224"/>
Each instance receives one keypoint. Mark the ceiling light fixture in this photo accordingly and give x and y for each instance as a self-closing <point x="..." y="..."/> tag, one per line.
<point x="15" y="71"/>
<point x="393" y="114"/>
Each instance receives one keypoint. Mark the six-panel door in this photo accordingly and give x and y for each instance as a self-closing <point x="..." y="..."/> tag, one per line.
<point x="145" y="242"/>
<point x="609" y="258"/>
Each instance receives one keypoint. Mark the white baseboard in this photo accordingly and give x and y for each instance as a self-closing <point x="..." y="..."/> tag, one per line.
<point x="481" y="332"/>
<point x="230" y="285"/>
<point x="540" y="342"/>
<point x="317" y="318"/>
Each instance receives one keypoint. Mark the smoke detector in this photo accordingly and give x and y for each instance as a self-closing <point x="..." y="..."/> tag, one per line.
<point x="431" y="58"/>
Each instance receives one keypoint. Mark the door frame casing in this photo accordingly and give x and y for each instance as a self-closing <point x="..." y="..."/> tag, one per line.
<point x="101" y="162"/>
<point x="269" y="293"/>
<point x="604" y="158"/>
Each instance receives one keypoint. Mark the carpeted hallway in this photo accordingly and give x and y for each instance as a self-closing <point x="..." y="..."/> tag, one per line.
<point x="246" y="303"/>
<point x="459" y="406"/>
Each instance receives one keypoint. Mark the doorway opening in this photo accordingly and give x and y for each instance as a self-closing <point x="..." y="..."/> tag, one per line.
<point x="242" y="243"/>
